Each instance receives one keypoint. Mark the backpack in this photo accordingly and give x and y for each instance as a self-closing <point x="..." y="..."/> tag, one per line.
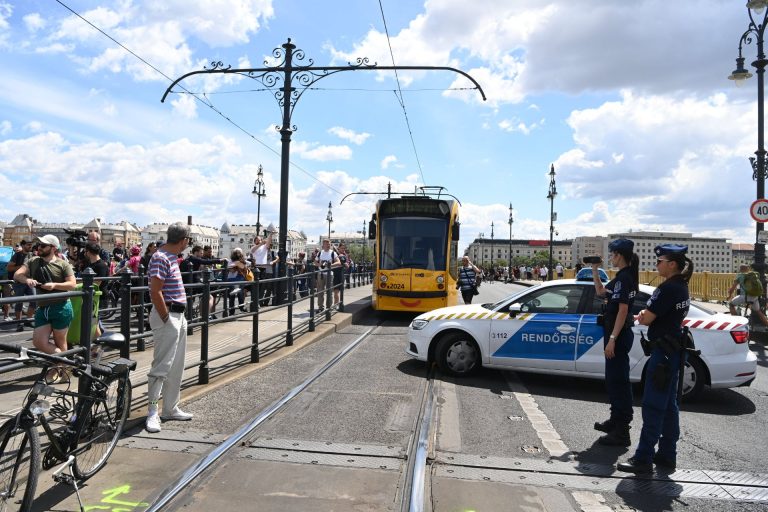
<point x="752" y="285"/>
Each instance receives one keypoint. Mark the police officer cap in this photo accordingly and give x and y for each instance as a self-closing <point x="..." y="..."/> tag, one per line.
<point x="665" y="249"/>
<point x="621" y="245"/>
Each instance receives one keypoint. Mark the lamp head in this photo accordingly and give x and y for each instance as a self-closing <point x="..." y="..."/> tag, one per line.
<point x="740" y="74"/>
<point x="758" y="6"/>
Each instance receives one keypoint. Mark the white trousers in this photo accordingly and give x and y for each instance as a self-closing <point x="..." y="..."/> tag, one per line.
<point x="168" y="359"/>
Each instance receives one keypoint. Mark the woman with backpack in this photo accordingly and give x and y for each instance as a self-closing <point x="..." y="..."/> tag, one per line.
<point x="749" y="288"/>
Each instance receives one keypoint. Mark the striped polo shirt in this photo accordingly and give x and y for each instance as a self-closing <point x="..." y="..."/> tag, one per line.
<point x="165" y="266"/>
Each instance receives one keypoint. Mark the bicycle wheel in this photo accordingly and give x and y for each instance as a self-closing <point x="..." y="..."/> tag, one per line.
<point x="111" y="300"/>
<point x="19" y="465"/>
<point x="103" y="424"/>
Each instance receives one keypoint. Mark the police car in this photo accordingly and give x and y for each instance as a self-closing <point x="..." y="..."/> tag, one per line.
<point x="553" y="328"/>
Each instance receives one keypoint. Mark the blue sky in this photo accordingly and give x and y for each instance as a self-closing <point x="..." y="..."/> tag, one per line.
<point x="628" y="99"/>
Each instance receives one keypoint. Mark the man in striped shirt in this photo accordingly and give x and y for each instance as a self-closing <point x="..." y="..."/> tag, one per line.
<point x="169" y="329"/>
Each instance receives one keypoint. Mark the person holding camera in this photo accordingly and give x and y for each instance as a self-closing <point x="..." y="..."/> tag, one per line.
<point x="667" y="308"/>
<point x="617" y="338"/>
<point x="325" y="259"/>
<point x="49" y="274"/>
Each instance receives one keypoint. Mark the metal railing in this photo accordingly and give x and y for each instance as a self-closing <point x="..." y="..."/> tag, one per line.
<point x="285" y="293"/>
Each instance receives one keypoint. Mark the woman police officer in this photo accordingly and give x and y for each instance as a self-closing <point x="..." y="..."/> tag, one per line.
<point x="667" y="308"/>
<point x="617" y="338"/>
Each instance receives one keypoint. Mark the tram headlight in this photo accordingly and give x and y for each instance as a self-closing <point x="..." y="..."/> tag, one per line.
<point x="383" y="278"/>
<point x="440" y="279"/>
<point x="418" y="324"/>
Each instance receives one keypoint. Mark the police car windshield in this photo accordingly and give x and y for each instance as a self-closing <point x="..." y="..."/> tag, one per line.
<point x="506" y="300"/>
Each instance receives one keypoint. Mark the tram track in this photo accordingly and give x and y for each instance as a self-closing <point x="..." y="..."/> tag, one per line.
<point x="419" y="461"/>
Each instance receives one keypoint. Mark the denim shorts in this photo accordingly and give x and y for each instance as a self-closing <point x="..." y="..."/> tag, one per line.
<point x="58" y="315"/>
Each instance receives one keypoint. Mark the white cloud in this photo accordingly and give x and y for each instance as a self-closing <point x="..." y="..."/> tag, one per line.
<point x="516" y="125"/>
<point x="350" y="135"/>
<point x="5" y="127"/>
<point x="663" y="158"/>
<point x="34" y="22"/>
<point x="185" y="105"/>
<point x="33" y="126"/>
<point x="160" y="33"/>
<point x="387" y="161"/>
<point x="6" y="10"/>
<point x="321" y="153"/>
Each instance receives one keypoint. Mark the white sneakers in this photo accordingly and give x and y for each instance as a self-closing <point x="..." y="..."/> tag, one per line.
<point x="176" y="415"/>
<point x="153" y="421"/>
<point x="153" y="418"/>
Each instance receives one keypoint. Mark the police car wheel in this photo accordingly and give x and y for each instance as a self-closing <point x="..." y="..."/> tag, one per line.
<point x="458" y="355"/>
<point x="694" y="375"/>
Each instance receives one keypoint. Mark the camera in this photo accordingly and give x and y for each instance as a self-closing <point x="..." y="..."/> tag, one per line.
<point x="589" y="260"/>
<point x="77" y="238"/>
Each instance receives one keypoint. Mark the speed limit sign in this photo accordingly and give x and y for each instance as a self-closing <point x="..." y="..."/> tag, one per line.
<point x="759" y="210"/>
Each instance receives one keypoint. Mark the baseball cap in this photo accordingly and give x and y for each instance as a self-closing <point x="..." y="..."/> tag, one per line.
<point x="49" y="240"/>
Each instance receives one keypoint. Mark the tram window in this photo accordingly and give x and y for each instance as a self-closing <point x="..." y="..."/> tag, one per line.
<point x="404" y="244"/>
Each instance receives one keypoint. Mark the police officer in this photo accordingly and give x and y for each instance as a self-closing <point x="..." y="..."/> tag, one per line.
<point x="667" y="308"/>
<point x="617" y="339"/>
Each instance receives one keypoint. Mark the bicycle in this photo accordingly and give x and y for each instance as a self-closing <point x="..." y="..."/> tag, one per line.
<point x="83" y="426"/>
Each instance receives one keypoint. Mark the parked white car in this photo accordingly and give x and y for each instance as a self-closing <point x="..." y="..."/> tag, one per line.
<point x="553" y="328"/>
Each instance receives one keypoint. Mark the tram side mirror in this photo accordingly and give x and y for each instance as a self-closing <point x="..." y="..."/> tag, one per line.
<point x="455" y="232"/>
<point x="372" y="230"/>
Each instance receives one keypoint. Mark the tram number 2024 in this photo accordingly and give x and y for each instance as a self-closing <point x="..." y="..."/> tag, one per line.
<point x="396" y="286"/>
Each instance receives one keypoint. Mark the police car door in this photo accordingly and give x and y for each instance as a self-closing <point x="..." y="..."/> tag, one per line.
<point x="542" y="331"/>
<point x="590" y="354"/>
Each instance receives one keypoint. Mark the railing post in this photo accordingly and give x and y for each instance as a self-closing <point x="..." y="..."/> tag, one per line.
<point x="202" y="372"/>
<point x="343" y="286"/>
<point x="86" y="312"/>
<point x="255" y="306"/>
<point x="141" y="343"/>
<point x="291" y="295"/>
<point x="328" y="291"/>
<point x="312" y="288"/>
<point x="125" y="312"/>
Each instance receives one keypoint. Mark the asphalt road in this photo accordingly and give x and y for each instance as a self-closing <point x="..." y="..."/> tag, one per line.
<point x="370" y="403"/>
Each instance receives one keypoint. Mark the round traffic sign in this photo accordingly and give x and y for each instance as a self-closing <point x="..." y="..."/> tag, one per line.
<point x="759" y="210"/>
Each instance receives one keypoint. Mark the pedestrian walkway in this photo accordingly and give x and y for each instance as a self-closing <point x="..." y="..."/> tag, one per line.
<point x="224" y="338"/>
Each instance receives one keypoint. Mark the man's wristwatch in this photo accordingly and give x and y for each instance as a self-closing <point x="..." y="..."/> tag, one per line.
<point x="612" y="337"/>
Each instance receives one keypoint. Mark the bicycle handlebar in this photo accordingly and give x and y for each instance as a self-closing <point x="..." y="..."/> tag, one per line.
<point x="59" y="358"/>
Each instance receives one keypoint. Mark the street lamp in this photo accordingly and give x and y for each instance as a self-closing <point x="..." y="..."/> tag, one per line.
<point x="492" y="264"/>
<point x="259" y="191"/>
<point x="329" y="218"/>
<point x="552" y="215"/>
<point x="740" y="74"/>
<point x="482" y="252"/>
<point x="365" y="244"/>
<point x="511" y="220"/>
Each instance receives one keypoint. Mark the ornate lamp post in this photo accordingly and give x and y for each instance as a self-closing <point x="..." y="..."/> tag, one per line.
<point x="756" y="31"/>
<point x="329" y="218"/>
<point x="511" y="220"/>
<point x="365" y="244"/>
<point x="482" y="252"/>
<point x="552" y="215"/>
<point x="492" y="261"/>
<point x="259" y="191"/>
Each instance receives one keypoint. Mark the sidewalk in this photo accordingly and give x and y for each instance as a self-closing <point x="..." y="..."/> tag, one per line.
<point x="223" y="338"/>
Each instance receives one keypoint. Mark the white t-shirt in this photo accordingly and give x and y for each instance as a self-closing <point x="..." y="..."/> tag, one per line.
<point x="326" y="256"/>
<point x="260" y="254"/>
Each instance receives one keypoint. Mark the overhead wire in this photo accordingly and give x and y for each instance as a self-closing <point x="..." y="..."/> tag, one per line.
<point x="400" y="98"/>
<point x="205" y="101"/>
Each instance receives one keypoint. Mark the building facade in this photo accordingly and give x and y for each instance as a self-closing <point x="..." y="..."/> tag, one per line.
<point x="488" y="252"/>
<point x="588" y="246"/>
<point x="707" y="254"/>
<point x="22" y="227"/>
<point x="743" y="254"/>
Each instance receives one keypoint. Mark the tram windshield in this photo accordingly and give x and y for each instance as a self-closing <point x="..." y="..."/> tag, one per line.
<point x="413" y="242"/>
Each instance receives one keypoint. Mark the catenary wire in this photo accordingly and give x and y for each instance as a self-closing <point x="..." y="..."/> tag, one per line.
<point x="205" y="101"/>
<point x="399" y="97"/>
